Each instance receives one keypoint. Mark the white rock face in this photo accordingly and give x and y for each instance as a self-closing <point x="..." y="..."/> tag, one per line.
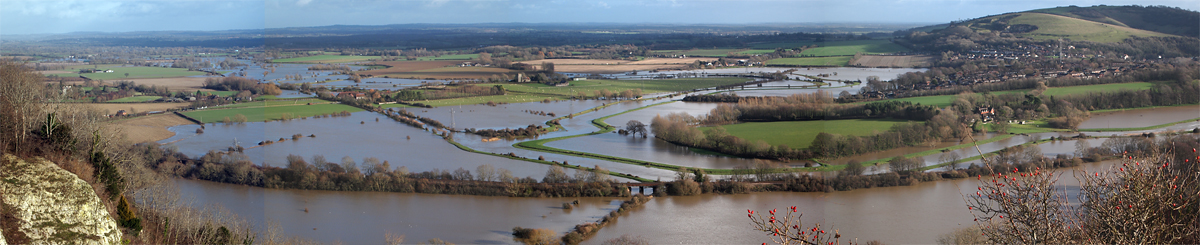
<point x="55" y="206"/>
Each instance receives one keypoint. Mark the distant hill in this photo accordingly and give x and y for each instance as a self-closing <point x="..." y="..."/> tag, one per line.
<point x="1162" y="19"/>
<point x="1105" y="24"/>
<point x="1043" y="26"/>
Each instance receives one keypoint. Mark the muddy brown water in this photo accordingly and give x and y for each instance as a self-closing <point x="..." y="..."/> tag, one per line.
<point x="365" y="217"/>
<point x="1141" y="117"/>
<point x="357" y="136"/>
<point x="909" y="214"/>
<point x="915" y="214"/>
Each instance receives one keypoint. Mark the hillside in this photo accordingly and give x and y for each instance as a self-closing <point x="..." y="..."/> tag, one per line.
<point x="1162" y="19"/>
<point x="1043" y="26"/>
<point x="1101" y="23"/>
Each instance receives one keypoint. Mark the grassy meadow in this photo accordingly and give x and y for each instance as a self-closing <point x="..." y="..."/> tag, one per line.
<point x="812" y="61"/>
<point x="532" y="92"/>
<point x="1051" y="27"/>
<point x="709" y="52"/>
<point x="450" y="57"/>
<point x="139" y="72"/>
<point x="134" y="99"/>
<point x="800" y="134"/>
<point x="841" y="48"/>
<point x="259" y="111"/>
<point x="1112" y="87"/>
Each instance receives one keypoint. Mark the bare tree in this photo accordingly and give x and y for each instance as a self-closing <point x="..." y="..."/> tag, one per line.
<point x="555" y="175"/>
<point x="506" y="176"/>
<point x="485" y="172"/>
<point x="20" y="95"/>
<point x="951" y="158"/>
<point x="635" y="127"/>
<point x="349" y="165"/>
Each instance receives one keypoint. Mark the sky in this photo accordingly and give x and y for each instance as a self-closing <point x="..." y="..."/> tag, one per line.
<point x="64" y="16"/>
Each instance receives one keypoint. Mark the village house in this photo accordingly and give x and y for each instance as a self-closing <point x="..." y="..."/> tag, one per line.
<point x="986" y="113"/>
<point x="351" y="95"/>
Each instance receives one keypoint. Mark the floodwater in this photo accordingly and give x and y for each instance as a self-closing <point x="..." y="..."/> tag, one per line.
<point x="379" y="83"/>
<point x="893" y="215"/>
<point x="357" y="136"/>
<point x="482" y="116"/>
<point x="365" y="217"/>
<point x="842" y="73"/>
<point x="650" y="148"/>
<point x="1141" y="117"/>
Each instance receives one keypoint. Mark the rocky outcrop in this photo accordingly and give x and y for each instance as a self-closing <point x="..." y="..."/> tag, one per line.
<point x="52" y="206"/>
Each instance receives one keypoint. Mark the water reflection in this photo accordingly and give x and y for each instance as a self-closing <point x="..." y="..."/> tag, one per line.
<point x="365" y="217"/>
<point x="905" y="215"/>
<point x="357" y="136"/>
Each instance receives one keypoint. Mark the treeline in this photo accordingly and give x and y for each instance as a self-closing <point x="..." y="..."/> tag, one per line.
<point x="527" y="131"/>
<point x="723" y="98"/>
<point x="450" y="91"/>
<point x="234" y="83"/>
<point x="328" y="67"/>
<point x="816" y="106"/>
<point x="374" y="175"/>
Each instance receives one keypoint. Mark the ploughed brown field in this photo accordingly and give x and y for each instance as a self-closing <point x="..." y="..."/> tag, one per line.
<point x="148" y="128"/>
<point x="440" y="69"/>
<point x="892" y="61"/>
<point x="136" y="107"/>
<point x="616" y="66"/>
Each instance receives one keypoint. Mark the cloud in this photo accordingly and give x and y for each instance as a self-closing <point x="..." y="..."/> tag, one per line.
<point x="302" y="3"/>
<point x="435" y="3"/>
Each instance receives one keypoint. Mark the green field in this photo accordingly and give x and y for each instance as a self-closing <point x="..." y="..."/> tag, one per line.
<point x="709" y="52"/>
<point x="939" y="100"/>
<point x="450" y="57"/>
<point x="1052" y="27"/>
<point x="788" y="45"/>
<point x="531" y="92"/>
<point x="812" y="61"/>
<point x="273" y="103"/>
<point x="1112" y="87"/>
<point x="757" y="51"/>
<point x="261" y="113"/>
<point x="326" y="59"/>
<point x="839" y="48"/>
<point x="135" y="99"/>
<point x="800" y="134"/>
<point x="138" y="72"/>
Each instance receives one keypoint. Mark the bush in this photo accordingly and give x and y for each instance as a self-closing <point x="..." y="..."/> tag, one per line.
<point x="128" y="215"/>
<point x="685" y="187"/>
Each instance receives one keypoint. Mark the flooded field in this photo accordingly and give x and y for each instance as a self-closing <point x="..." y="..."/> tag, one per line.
<point x="482" y="116"/>
<point x="357" y="136"/>
<point x="365" y="217"/>
<point x="1141" y="117"/>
